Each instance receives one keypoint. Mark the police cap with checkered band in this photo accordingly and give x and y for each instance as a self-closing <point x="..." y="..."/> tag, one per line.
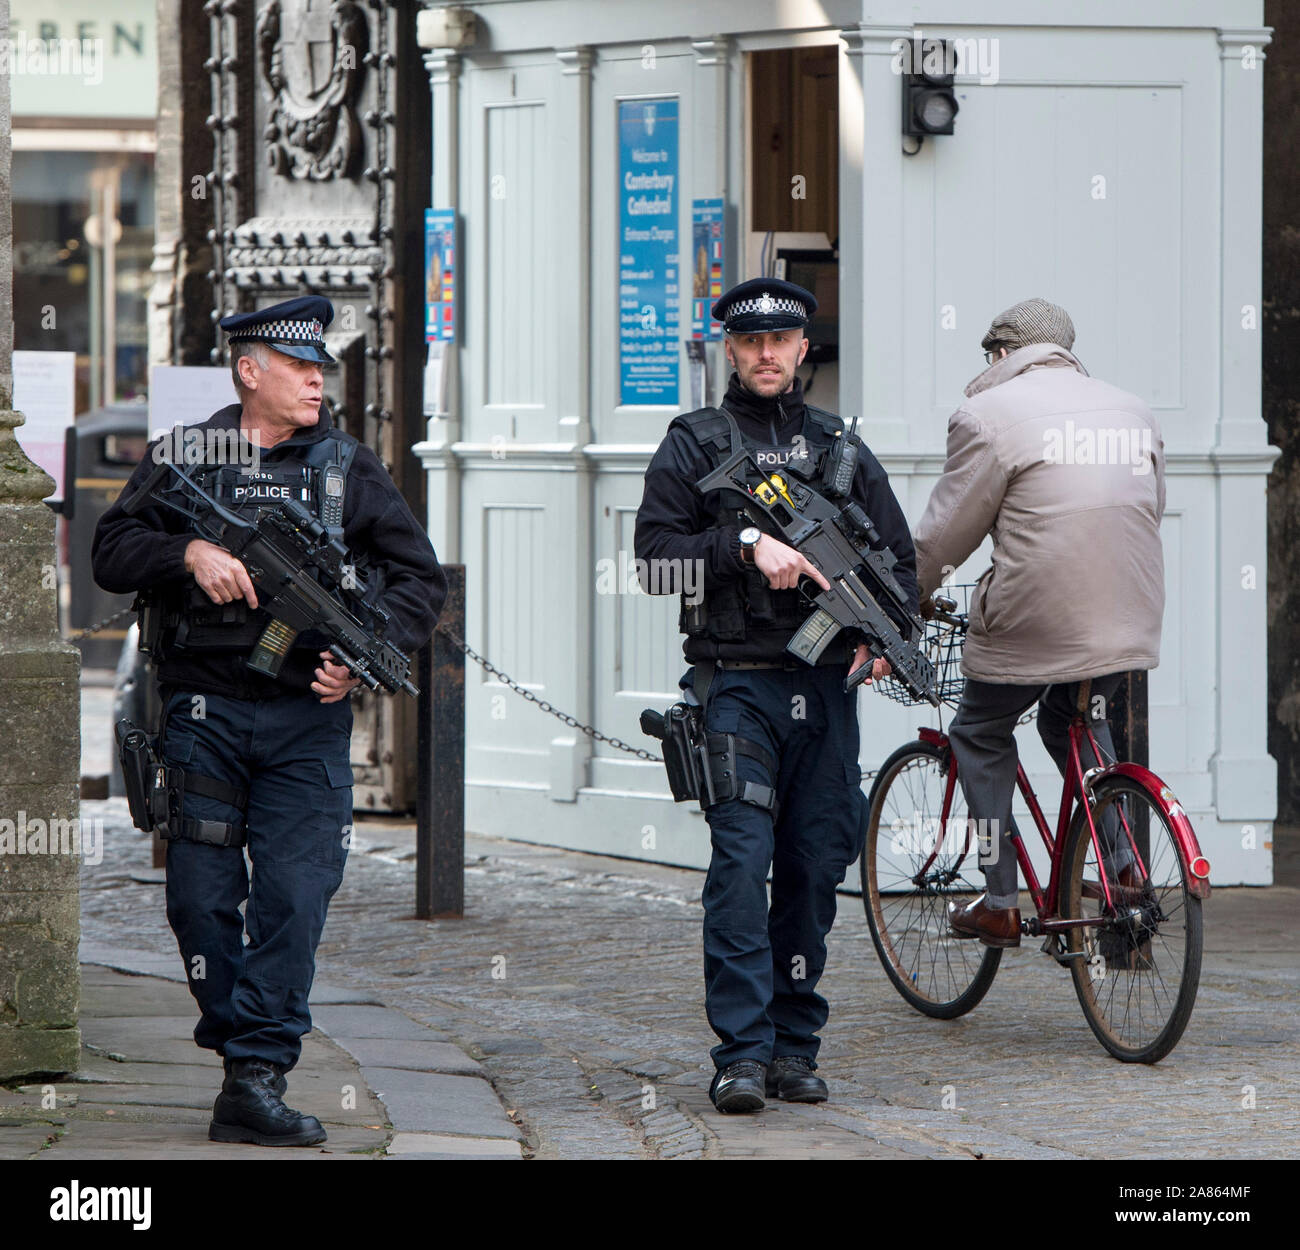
<point x="763" y="304"/>
<point x="295" y="327"/>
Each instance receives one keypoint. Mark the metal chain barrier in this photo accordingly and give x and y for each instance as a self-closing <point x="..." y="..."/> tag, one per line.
<point x="617" y="743"/>
<point x="104" y="624"/>
<point x="491" y="669"/>
<point x="488" y="667"/>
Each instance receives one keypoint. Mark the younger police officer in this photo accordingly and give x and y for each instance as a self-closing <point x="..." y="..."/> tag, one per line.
<point x="802" y="816"/>
<point x="266" y="761"/>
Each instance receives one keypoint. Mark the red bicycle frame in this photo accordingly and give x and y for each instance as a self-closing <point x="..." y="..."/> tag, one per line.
<point x="1077" y="782"/>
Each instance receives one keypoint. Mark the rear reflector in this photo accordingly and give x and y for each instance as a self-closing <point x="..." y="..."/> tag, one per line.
<point x="1201" y="867"/>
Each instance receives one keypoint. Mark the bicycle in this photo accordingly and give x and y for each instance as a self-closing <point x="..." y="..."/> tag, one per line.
<point x="1134" y="950"/>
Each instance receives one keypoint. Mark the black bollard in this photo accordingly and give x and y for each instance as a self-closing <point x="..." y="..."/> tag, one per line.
<point x="440" y="800"/>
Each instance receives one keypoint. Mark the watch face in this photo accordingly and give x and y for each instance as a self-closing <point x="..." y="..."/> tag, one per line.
<point x="751" y="535"/>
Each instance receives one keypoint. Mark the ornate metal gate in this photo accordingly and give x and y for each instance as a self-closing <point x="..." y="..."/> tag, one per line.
<point x="318" y="184"/>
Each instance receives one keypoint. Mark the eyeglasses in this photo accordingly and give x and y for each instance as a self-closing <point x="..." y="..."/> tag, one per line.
<point x="991" y="356"/>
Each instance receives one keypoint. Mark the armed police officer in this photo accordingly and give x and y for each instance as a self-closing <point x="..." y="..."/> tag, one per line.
<point x="798" y="808"/>
<point x="266" y="761"/>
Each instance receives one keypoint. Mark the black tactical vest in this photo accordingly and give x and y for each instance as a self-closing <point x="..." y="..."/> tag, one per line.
<point x="731" y="613"/>
<point x="315" y="475"/>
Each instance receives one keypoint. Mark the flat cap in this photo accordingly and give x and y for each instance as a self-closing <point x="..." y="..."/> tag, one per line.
<point x="764" y="304"/>
<point x="1030" y="321"/>
<point x="295" y="327"/>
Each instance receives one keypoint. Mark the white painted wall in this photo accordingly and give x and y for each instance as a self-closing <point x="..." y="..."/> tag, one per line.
<point x="535" y="471"/>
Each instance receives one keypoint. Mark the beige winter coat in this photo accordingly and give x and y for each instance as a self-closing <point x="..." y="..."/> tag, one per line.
<point x="1067" y="474"/>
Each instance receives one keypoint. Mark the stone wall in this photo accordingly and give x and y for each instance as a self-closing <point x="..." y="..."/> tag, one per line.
<point x="40" y="727"/>
<point x="1281" y="349"/>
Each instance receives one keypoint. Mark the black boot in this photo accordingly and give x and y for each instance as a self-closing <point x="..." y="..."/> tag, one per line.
<point x="280" y="1084"/>
<point x="739" y="1087"/>
<point x="791" y="1079"/>
<point x="249" y="1109"/>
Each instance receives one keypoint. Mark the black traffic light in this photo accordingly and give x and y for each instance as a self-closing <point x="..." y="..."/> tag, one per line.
<point x="929" y="101"/>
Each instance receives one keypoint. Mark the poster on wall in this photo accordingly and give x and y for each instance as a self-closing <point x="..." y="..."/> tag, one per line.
<point x="706" y="268"/>
<point x="648" y="263"/>
<point x="45" y="392"/>
<point x="439" y="275"/>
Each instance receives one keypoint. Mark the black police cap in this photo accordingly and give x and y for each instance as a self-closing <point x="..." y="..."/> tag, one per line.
<point x="295" y="327"/>
<point x="763" y="304"/>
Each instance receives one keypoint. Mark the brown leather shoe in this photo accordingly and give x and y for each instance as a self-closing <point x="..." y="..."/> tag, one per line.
<point x="992" y="925"/>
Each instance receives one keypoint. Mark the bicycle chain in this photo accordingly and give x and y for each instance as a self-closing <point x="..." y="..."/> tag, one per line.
<point x="617" y="743"/>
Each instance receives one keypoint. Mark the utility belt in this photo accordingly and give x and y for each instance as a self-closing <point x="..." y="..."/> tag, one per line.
<point x="704" y="766"/>
<point x="155" y="793"/>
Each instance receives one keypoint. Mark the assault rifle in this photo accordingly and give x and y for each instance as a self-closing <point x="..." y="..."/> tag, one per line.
<point x="281" y="547"/>
<point x="836" y="539"/>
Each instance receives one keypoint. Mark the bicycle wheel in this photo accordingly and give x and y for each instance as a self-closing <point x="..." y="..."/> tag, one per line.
<point x="911" y="871"/>
<point x="1137" y="973"/>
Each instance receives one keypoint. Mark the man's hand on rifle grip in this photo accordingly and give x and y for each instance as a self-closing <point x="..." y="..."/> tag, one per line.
<point x="881" y="668"/>
<point x="783" y="566"/>
<point x="222" y="577"/>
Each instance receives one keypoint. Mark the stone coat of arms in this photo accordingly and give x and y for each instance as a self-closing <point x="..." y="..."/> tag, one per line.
<point x="311" y="58"/>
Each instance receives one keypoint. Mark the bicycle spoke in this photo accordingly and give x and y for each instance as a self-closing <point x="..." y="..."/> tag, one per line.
<point x="911" y="871"/>
<point x="1138" y="981"/>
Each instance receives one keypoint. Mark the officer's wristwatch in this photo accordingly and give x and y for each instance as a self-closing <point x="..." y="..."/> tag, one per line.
<point x="748" y="541"/>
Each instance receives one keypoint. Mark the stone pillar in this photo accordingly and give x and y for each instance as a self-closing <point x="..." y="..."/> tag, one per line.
<point x="40" y="726"/>
<point x="1281" y="316"/>
<point x="181" y="332"/>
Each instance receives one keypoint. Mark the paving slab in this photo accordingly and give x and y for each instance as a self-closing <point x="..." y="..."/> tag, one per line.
<point x="424" y="1056"/>
<point x="425" y="1102"/>
<point x="345" y="1022"/>
<point x="443" y="1146"/>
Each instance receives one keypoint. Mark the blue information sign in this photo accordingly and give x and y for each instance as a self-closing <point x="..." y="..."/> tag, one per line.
<point x="439" y="275"/>
<point x="648" y="263"/>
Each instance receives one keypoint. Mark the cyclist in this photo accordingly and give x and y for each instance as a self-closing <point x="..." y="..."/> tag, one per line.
<point x="1066" y="474"/>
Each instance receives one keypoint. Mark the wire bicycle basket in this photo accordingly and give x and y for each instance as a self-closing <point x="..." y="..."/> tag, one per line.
<point x="944" y="642"/>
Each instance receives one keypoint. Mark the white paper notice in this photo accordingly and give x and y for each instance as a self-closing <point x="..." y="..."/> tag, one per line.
<point x="45" y="392"/>
<point x="186" y="395"/>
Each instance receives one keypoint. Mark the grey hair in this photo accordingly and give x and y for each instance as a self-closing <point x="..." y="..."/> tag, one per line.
<point x="247" y="347"/>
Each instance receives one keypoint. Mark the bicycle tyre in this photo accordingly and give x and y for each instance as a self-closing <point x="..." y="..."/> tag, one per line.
<point x="1127" y="965"/>
<point x="940" y="976"/>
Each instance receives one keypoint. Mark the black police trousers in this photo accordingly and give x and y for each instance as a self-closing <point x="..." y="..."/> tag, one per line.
<point x="762" y="963"/>
<point x="292" y="755"/>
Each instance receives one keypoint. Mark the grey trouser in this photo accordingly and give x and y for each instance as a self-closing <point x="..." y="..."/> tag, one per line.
<point x="983" y="741"/>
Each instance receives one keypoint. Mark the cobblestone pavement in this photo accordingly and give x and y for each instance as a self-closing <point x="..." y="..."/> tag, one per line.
<point x="576" y="980"/>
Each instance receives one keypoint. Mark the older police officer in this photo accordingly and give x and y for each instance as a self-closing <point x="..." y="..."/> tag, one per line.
<point x="800" y="813"/>
<point x="266" y="761"/>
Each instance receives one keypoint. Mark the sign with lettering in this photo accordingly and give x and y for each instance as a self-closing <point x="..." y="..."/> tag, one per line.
<point x="82" y="58"/>
<point x="648" y="262"/>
